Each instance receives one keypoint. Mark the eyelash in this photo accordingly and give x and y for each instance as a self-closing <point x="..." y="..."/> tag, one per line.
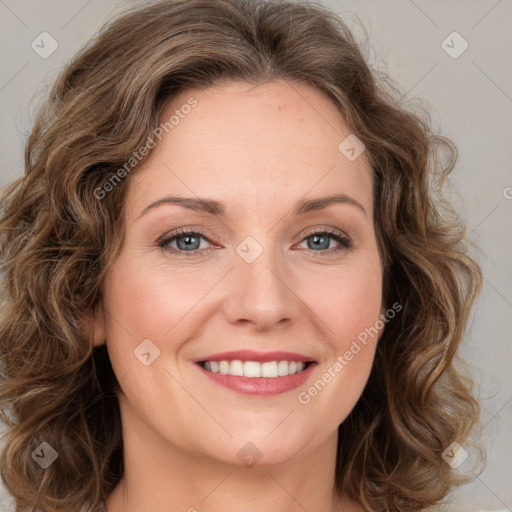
<point x="344" y="241"/>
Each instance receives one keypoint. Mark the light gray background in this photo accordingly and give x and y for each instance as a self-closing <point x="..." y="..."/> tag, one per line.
<point x="471" y="99"/>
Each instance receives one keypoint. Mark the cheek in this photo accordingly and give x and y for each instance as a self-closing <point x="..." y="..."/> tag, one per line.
<point x="162" y="303"/>
<point x="149" y="302"/>
<point x="347" y="302"/>
<point x="138" y="307"/>
<point x="349" y="309"/>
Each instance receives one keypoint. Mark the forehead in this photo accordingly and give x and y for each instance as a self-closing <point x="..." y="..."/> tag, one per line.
<point x="258" y="146"/>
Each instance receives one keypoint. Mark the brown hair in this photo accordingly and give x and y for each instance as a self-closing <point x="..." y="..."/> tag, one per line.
<point x="57" y="240"/>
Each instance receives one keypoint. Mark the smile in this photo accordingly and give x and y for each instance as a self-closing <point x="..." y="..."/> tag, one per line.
<point x="258" y="379"/>
<point x="255" y="369"/>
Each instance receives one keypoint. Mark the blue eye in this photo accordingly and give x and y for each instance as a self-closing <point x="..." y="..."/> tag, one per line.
<point x="321" y="240"/>
<point x="188" y="242"/>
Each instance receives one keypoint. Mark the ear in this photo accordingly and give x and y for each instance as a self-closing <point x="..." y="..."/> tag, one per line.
<point x="94" y="325"/>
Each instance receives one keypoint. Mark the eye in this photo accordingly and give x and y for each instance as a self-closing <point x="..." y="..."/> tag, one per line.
<point x="187" y="241"/>
<point x="320" y="241"/>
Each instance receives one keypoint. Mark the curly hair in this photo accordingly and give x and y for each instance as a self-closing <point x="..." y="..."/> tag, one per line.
<point x="58" y="239"/>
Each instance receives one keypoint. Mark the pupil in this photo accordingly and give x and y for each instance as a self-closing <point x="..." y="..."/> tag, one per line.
<point x="189" y="240"/>
<point x="316" y="243"/>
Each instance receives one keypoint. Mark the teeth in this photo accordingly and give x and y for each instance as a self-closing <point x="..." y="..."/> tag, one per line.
<point x="282" y="368"/>
<point x="269" y="369"/>
<point x="236" y="368"/>
<point x="223" y="367"/>
<point x="253" y="369"/>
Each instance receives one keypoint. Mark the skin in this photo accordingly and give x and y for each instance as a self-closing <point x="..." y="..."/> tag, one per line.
<point x="258" y="149"/>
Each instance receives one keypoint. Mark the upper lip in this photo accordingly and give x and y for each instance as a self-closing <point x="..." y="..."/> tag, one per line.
<point x="252" y="355"/>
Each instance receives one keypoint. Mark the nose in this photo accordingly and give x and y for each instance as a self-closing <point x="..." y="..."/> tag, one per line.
<point x="261" y="293"/>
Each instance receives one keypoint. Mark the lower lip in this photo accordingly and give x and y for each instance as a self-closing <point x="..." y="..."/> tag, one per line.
<point x="261" y="386"/>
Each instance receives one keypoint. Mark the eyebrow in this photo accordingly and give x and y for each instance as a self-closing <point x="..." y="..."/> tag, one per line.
<point x="213" y="207"/>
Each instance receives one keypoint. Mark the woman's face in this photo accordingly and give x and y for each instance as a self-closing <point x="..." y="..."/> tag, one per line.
<point x="252" y="276"/>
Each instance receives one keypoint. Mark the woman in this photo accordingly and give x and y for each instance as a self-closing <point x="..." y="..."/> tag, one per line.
<point x="231" y="282"/>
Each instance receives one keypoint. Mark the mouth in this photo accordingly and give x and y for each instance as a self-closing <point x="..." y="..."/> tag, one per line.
<point x="251" y="372"/>
<point x="255" y="369"/>
<point x="263" y="378"/>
